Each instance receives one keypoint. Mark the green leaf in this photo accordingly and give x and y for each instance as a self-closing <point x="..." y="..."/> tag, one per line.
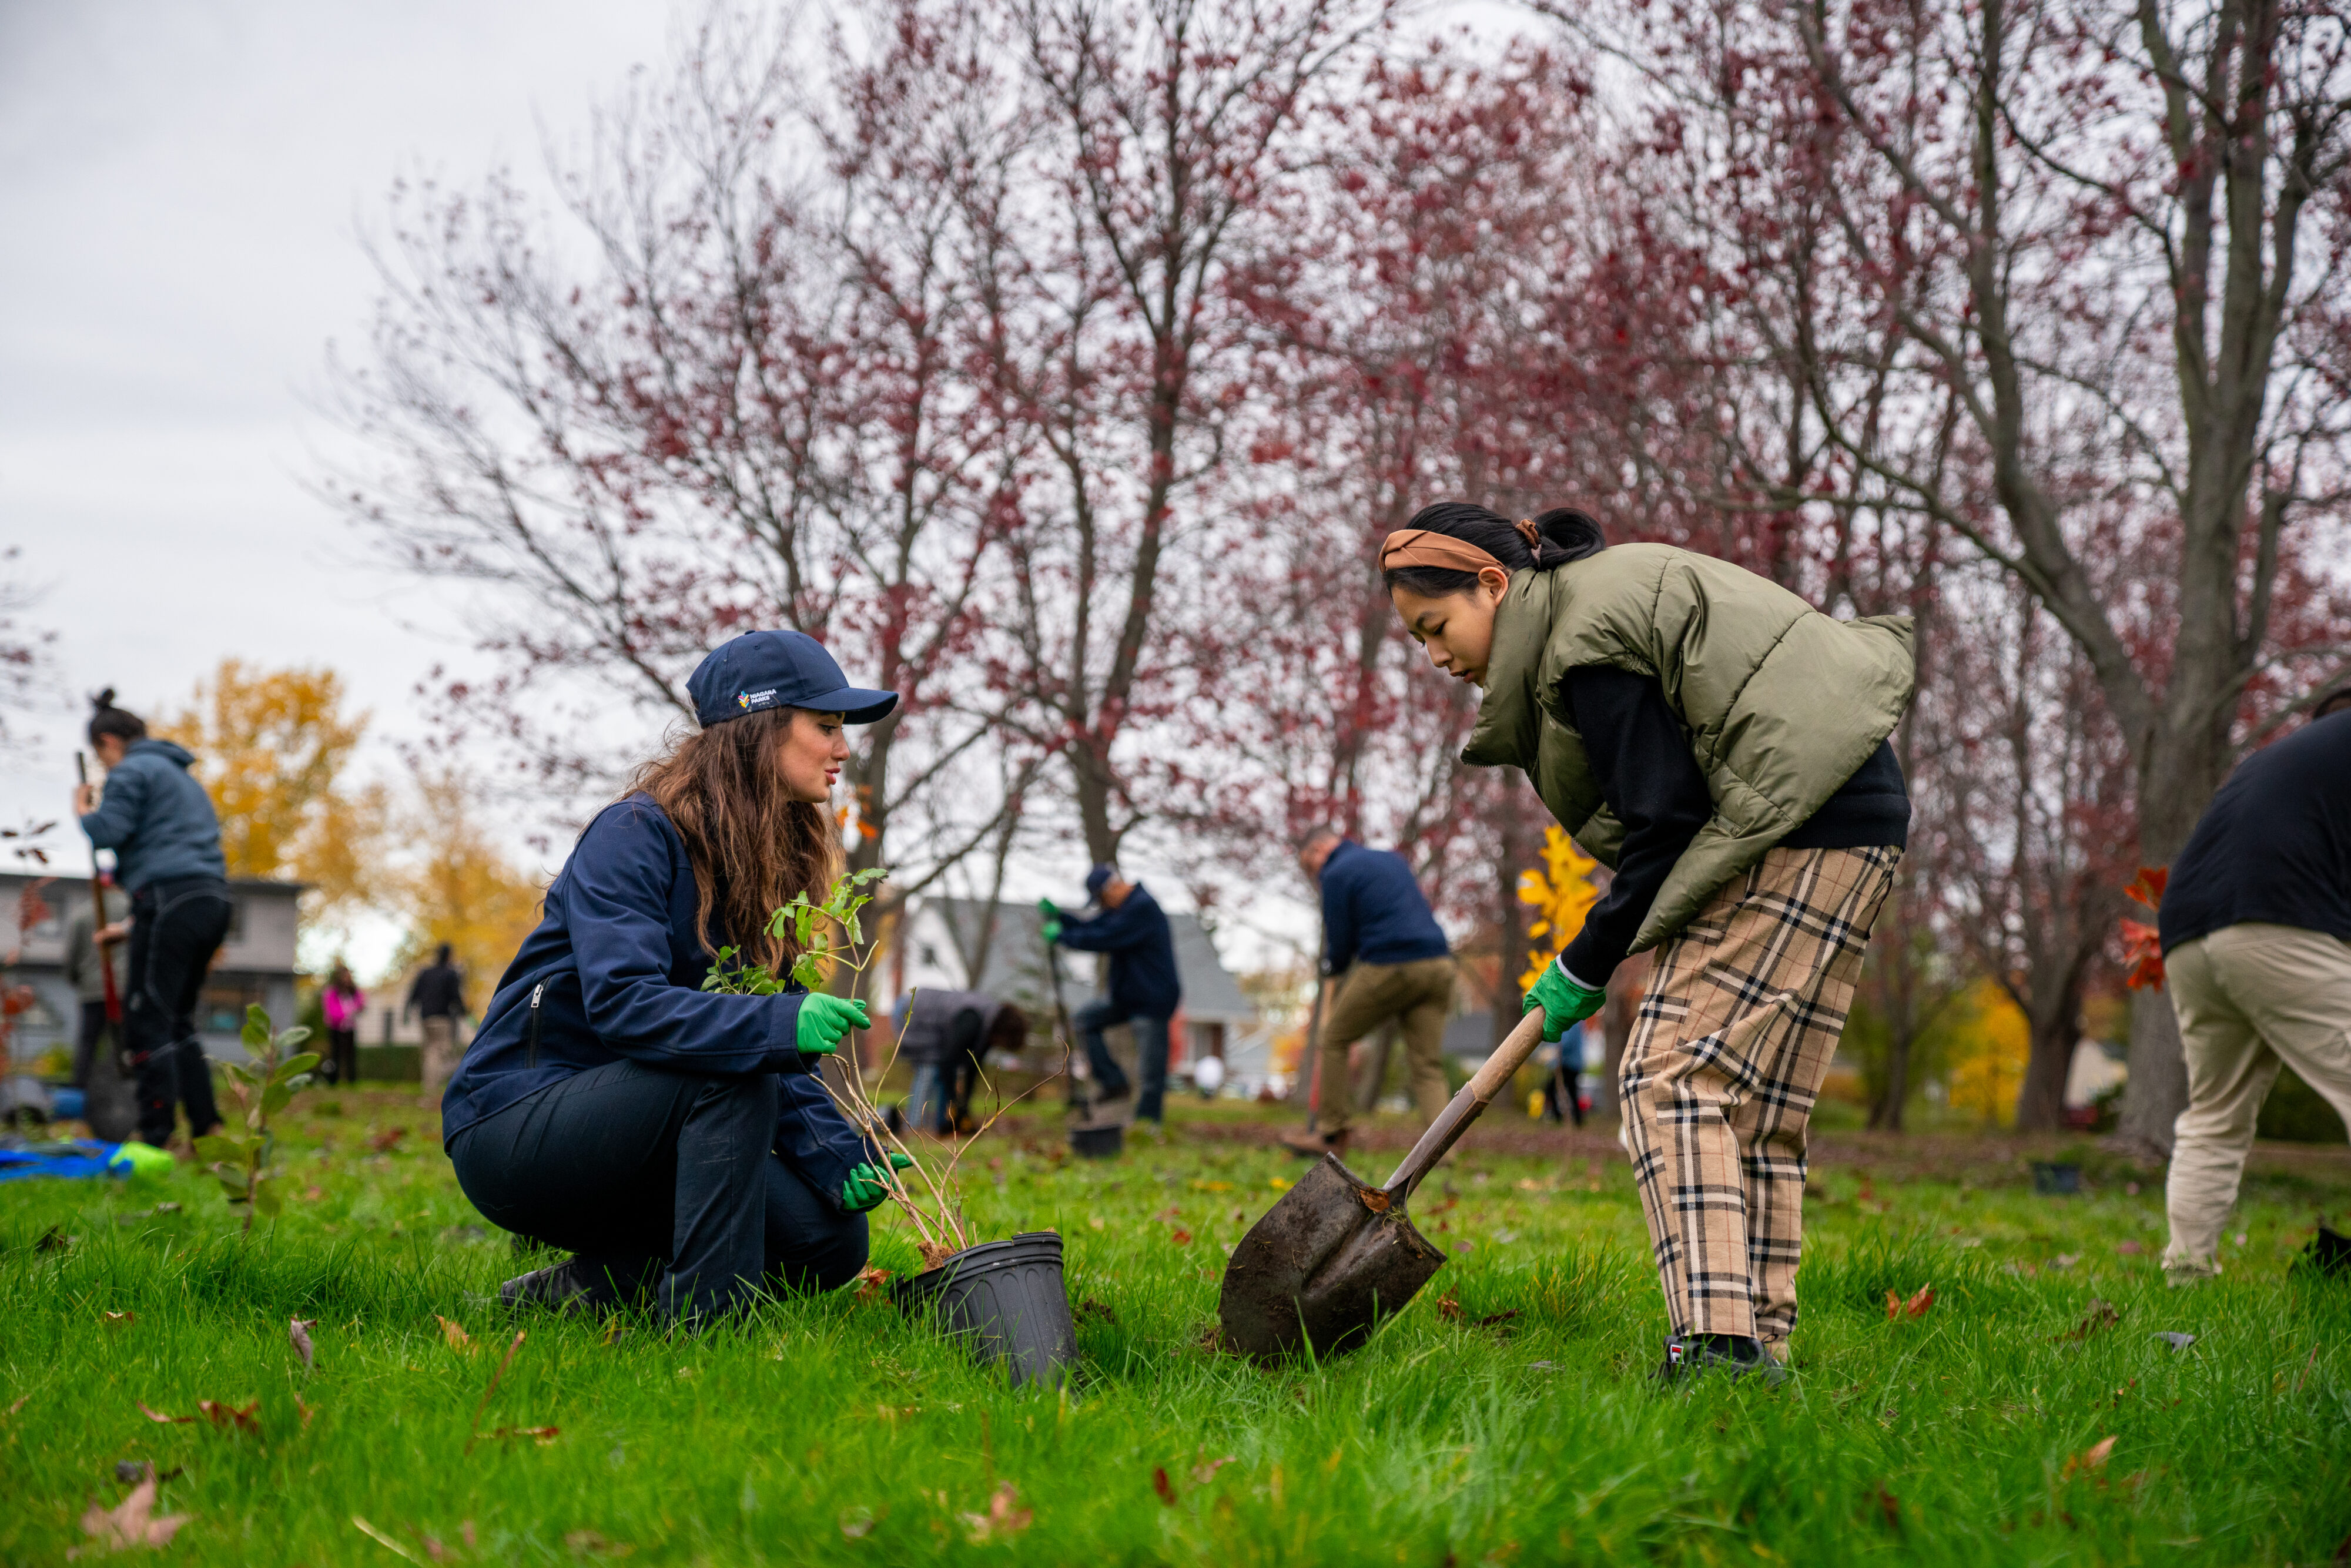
<point x="266" y="1201"/>
<point x="221" y="1146"/>
<point x="234" y="1181"/>
<point x="295" y="1066"/>
<point x="256" y="1027"/>
<point x="287" y="1039"/>
<point x="275" y="1098"/>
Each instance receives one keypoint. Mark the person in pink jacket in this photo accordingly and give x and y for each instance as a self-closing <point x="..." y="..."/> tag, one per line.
<point x="342" y="1000"/>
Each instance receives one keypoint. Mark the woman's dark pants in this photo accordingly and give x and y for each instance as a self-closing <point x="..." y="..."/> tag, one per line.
<point x="342" y="1063"/>
<point x="176" y="926"/>
<point x="663" y="1180"/>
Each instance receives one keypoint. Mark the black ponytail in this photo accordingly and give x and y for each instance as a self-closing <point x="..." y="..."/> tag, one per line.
<point x="1563" y="534"/>
<point x="105" y="718"/>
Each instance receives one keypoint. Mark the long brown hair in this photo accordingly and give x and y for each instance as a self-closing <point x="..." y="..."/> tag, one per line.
<point x="751" y="848"/>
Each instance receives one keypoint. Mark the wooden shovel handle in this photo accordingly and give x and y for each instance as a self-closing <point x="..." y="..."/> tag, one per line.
<point x="1465" y="1106"/>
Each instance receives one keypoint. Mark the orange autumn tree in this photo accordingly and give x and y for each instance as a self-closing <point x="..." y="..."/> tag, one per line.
<point x="272" y="750"/>
<point x="461" y="887"/>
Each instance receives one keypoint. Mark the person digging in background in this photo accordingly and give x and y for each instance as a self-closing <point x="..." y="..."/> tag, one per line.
<point x="160" y="825"/>
<point x="678" y="1140"/>
<point x="1723" y="745"/>
<point x="110" y="1105"/>
<point x="1145" y="988"/>
<point x="438" y="995"/>
<point x="945" y="1036"/>
<point x="1384" y="961"/>
<point x="1563" y="1090"/>
<point x="2256" y="928"/>
<point x="340" y="1002"/>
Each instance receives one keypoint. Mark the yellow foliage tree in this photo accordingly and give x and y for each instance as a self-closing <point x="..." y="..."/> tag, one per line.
<point x="272" y="747"/>
<point x="462" y="890"/>
<point x="1560" y="893"/>
<point x="1989" y="1041"/>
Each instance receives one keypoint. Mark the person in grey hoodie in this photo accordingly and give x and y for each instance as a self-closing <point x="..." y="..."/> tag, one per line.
<point x="160" y="824"/>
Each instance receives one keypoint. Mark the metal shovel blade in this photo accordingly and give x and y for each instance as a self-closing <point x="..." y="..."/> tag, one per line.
<point x="1337" y="1254"/>
<point x="1322" y="1268"/>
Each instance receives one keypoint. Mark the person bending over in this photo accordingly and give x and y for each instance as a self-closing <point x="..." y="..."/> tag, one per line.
<point x="160" y="825"/>
<point x="2255" y="927"/>
<point x="1144" y="987"/>
<point x="679" y="1141"/>
<point x="1723" y="745"/>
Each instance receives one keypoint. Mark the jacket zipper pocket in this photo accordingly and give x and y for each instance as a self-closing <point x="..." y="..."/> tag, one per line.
<point x="530" y="1030"/>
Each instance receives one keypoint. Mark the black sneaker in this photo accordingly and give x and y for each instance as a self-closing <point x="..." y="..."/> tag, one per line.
<point x="567" y="1287"/>
<point x="1688" y="1357"/>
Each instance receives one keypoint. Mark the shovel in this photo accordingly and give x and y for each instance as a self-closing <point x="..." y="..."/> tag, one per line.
<point x="1336" y="1254"/>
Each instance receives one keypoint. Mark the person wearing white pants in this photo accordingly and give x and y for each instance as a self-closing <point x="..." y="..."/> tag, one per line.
<point x="2256" y="933"/>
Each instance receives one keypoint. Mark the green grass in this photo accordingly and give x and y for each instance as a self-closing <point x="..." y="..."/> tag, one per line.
<point x="833" y="1430"/>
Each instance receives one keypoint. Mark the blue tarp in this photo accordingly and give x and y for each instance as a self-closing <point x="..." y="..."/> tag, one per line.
<point x="66" y="1157"/>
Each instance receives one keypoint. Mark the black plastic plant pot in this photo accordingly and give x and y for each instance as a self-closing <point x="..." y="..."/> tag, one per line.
<point x="2056" y="1180"/>
<point x="1101" y="1143"/>
<point x="1007" y="1298"/>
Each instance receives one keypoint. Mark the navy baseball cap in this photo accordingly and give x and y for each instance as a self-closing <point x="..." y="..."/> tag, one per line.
<point x="1098" y="879"/>
<point x="761" y="669"/>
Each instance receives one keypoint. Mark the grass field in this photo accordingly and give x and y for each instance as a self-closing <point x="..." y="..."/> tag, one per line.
<point x="832" y="1430"/>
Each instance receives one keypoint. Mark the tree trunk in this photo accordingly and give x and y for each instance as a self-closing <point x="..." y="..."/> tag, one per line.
<point x="1885" y="1115"/>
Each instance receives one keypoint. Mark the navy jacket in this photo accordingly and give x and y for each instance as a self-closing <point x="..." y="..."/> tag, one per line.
<point x="613" y="972"/>
<point x="1143" y="978"/>
<point x="156" y="817"/>
<point x="1373" y="910"/>
<point x="2274" y="846"/>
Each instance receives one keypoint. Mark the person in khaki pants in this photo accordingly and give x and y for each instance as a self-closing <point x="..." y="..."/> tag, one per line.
<point x="1386" y="959"/>
<point x="2256" y="935"/>
<point x="439" y="993"/>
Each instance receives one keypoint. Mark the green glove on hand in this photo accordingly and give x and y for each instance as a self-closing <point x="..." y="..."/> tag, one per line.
<point x="1564" y="1001"/>
<point x="824" y="1019"/>
<point x="866" y="1186"/>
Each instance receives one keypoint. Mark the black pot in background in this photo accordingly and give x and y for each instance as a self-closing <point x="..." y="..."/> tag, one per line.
<point x="2054" y="1180"/>
<point x="1101" y="1143"/>
<point x="1009" y="1296"/>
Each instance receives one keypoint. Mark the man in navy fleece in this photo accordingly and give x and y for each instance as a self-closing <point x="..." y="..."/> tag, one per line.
<point x="1384" y="960"/>
<point x="1145" y="988"/>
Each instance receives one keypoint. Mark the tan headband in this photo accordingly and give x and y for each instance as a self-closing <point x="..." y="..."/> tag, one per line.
<point x="1421" y="547"/>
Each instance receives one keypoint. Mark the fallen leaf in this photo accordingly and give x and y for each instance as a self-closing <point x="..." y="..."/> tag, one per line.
<point x="1090" y="1308"/>
<point x="1889" y="1508"/>
<point x="2090" y="1458"/>
<point x="1181" y="1237"/>
<point x="2064" y="1260"/>
<point x="1097" y="1222"/>
<point x="1493" y="1319"/>
<point x="542" y="1436"/>
<point x="454" y="1333"/>
<point x="1160" y="1484"/>
<point x="1277" y="1183"/>
<point x="120" y="1319"/>
<point x="132" y="1522"/>
<point x="298" y="1331"/>
<point x="53" y="1240"/>
<point x="1002" y="1518"/>
<point x="588" y="1543"/>
<point x="1916" y="1307"/>
<point x="224" y="1415"/>
<point x="2175" y="1340"/>
<point x="159" y="1416"/>
<point x="857" y="1524"/>
<point x="2131" y="1248"/>
<point x="871" y="1283"/>
<point x="383" y="1142"/>
<point x="2100" y="1316"/>
<point x="1448" y="1306"/>
<point x="1205" y="1473"/>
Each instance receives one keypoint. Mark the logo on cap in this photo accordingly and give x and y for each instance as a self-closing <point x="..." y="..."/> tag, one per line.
<point x="746" y="701"/>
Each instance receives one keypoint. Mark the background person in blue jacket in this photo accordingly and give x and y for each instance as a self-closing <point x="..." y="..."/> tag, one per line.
<point x="1384" y="960"/>
<point x="677" y="1140"/>
<point x="1145" y="989"/>
<point x="160" y="825"/>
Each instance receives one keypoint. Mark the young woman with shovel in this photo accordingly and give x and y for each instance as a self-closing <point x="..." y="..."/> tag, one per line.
<point x="1723" y="746"/>
<point x="677" y="1140"/>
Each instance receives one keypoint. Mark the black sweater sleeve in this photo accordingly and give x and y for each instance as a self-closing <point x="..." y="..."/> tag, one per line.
<point x="1652" y="783"/>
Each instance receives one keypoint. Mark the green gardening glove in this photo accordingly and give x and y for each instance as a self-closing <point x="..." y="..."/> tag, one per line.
<point x="1562" y="1000"/>
<point x="866" y="1186"/>
<point x="824" y="1019"/>
<point x="1052" y="914"/>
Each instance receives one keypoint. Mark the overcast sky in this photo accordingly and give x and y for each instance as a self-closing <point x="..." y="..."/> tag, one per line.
<point x="183" y="186"/>
<point x="183" y="190"/>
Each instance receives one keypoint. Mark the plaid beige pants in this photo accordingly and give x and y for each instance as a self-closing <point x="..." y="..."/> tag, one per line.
<point x="1742" y="1016"/>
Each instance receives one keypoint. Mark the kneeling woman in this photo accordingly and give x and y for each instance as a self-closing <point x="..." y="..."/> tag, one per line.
<point x="677" y="1140"/>
<point x="1723" y="745"/>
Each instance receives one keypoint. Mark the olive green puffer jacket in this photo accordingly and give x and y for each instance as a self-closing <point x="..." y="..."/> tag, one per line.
<point x="1781" y="703"/>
